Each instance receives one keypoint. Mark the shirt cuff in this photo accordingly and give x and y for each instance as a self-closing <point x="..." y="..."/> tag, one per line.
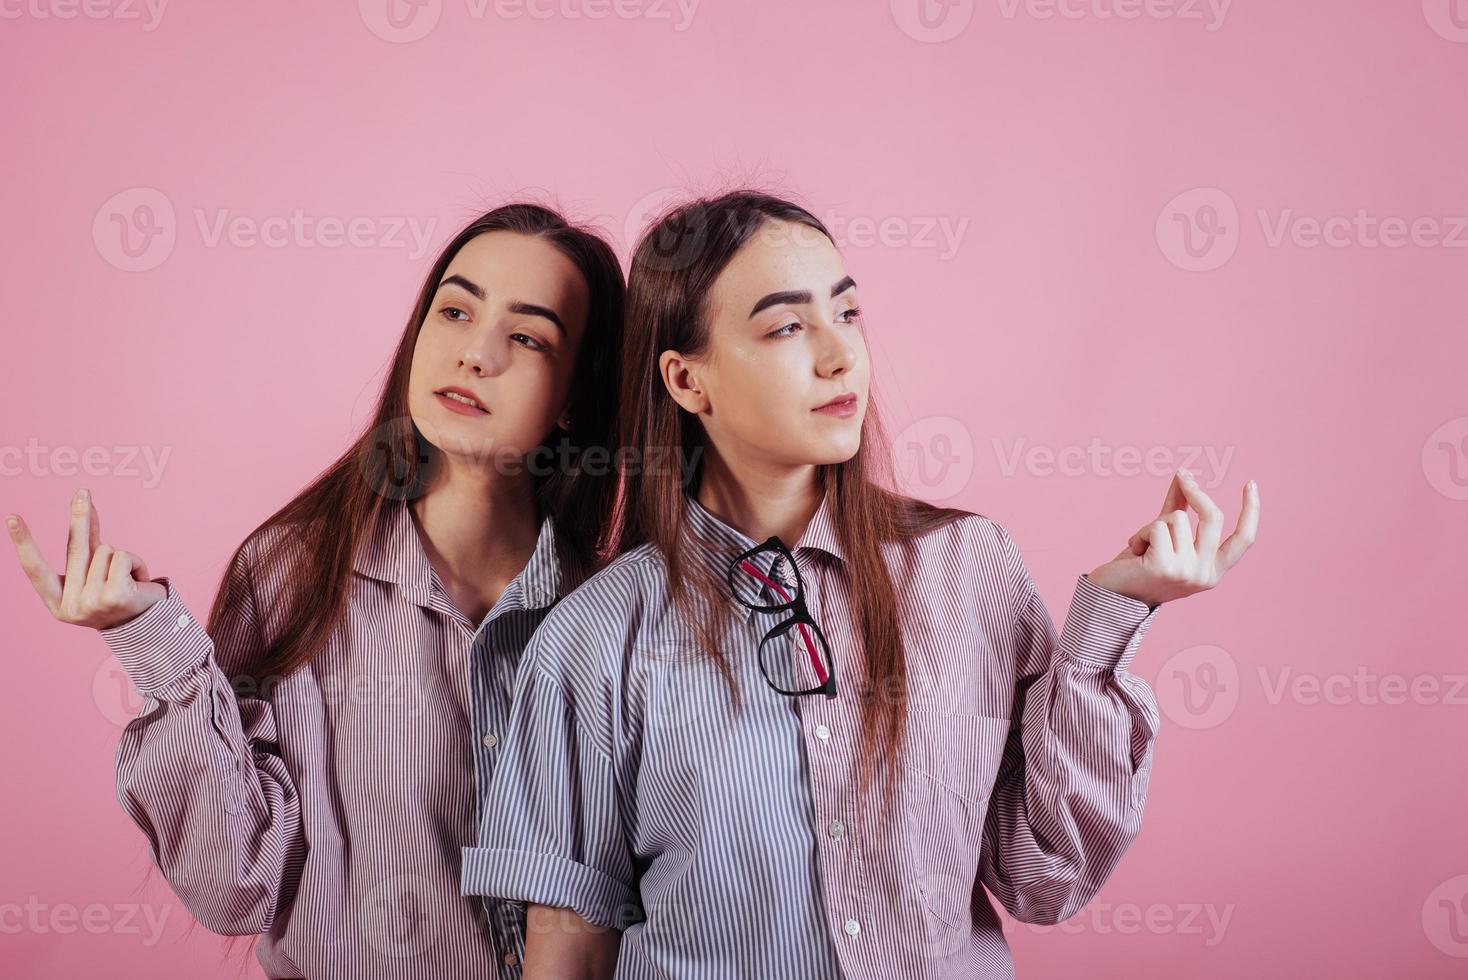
<point x="160" y="645"/>
<point x="1104" y="628"/>
<point x="545" y="879"/>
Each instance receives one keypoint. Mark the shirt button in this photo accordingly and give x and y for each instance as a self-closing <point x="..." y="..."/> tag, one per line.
<point x="491" y="740"/>
<point x="852" y="927"/>
<point x="183" y="620"/>
<point x="837" y="828"/>
<point x="511" y="959"/>
<point x="823" y="733"/>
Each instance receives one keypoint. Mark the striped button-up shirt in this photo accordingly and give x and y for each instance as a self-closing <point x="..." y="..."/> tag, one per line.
<point x="729" y="844"/>
<point x="328" y="809"/>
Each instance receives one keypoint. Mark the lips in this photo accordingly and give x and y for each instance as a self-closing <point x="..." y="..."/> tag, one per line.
<point x="460" y="400"/>
<point x="840" y="405"/>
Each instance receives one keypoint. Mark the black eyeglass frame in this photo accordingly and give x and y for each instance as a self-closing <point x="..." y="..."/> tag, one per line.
<point x="800" y="615"/>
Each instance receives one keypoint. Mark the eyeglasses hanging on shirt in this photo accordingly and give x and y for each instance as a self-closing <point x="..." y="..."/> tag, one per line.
<point x="794" y="655"/>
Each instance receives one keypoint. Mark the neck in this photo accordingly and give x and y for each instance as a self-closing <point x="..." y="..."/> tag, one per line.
<point x="478" y="529"/>
<point x="760" y="500"/>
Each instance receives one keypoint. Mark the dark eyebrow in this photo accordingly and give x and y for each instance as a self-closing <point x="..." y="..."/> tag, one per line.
<point x="462" y="283"/>
<point x="534" y="310"/>
<point x="797" y="296"/>
<point x="531" y="309"/>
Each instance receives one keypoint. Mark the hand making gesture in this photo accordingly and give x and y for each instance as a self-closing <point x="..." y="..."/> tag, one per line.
<point x="102" y="587"/>
<point x="1166" y="559"/>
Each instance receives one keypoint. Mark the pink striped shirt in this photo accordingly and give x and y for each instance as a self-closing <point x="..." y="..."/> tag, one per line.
<point x="327" y="810"/>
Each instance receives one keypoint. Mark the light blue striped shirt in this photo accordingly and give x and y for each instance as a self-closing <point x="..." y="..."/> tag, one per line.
<point x="732" y="845"/>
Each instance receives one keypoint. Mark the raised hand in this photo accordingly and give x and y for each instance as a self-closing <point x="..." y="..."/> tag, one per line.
<point x="1166" y="559"/>
<point x="102" y="587"/>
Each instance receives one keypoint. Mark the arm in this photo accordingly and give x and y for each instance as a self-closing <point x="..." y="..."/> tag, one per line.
<point x="199" y="770"/>
<point x="560" y="945"/>
<point x="551" y="832"/>
<point x="1068" y="798"/>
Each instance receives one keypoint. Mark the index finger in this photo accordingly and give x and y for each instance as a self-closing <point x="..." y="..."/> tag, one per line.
<point x="43" y="579"/>
<point x="1210" y="518"/>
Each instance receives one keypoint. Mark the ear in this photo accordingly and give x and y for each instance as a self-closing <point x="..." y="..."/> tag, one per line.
<point x="681" y="377"/>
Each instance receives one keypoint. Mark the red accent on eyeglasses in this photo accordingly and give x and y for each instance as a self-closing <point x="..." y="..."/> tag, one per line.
<point x="815" y="658"/>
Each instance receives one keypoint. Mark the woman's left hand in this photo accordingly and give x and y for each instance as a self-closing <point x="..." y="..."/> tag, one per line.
<point x="1165" y="559"/>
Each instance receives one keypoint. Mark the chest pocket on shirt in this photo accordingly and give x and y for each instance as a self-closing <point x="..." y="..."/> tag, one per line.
<point x="947" y="778"/>
<point x="959" y="752"/>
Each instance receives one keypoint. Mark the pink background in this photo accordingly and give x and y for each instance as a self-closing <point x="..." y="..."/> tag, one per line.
<point x="1108" y="280"/>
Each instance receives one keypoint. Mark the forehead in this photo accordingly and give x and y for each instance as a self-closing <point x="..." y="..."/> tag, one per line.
<point x="780" y="255"/>
<point x="523" y="268"/>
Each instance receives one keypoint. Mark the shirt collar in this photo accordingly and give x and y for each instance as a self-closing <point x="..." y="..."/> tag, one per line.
<point x="717" y="543"/>
<point x="392" y="552"/>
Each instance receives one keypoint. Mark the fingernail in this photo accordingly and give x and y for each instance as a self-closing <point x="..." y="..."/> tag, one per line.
<point x="12" y="522"/>
<point x="1253" y="487"/>
<point x="1185" y="473"/>
<point x="83" y="494"/>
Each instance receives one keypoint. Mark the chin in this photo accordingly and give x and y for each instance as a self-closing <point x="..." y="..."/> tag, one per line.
<point x="459" y="437"/>
<point x="832" y="453"/>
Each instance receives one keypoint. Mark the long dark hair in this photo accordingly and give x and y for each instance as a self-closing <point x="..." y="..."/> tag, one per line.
<point x="673" y="269"/>
<point x="321" y="529"/>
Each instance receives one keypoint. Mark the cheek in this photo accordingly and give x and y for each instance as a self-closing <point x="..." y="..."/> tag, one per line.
<point x="426" y="353"/>
<point x="527" y="403"/>
<point x="753" y="390"/>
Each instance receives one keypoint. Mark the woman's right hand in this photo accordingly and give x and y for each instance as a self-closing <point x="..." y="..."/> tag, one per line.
<point x="102" y="587"/>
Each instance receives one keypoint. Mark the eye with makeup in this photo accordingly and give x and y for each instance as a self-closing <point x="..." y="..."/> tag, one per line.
<point x="851" y="315"/>
<point x="447" y="310"/>
<point x="525" y="340"/>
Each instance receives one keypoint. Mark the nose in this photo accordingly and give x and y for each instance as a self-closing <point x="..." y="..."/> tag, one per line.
<point x="836" y="356"/>
<point x="484" y="352"/>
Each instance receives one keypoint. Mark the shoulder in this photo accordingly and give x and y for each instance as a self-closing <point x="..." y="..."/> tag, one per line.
<point x="260" y="572"/>
<point x="952" y="533"/>
<point x="589" y="629"/>
<point x="958" y="559"/>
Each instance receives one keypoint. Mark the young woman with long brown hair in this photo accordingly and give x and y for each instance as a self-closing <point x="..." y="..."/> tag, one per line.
<point x="802" y="721"/>
<point x="307" y="767"/>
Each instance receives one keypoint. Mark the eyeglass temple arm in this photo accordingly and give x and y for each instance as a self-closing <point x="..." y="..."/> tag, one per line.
<point x="810" y="647"/>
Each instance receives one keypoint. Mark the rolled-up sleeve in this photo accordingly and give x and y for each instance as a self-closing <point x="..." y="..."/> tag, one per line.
<point x="1068" y="798"/>
<point x="550" y="827"/>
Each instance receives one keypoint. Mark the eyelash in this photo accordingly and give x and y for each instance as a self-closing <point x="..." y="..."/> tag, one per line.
<point x="533" y="345"/>
<point x="538" y="345"/>
<point x="779" y="334"/>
